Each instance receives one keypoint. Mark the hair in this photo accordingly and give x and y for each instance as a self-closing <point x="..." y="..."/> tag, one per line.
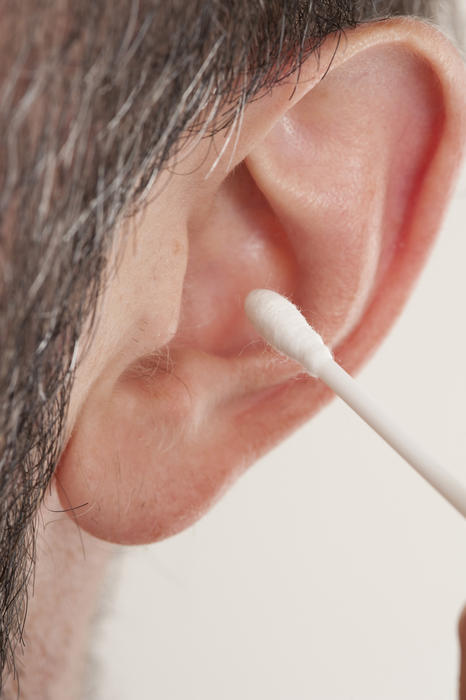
<point x="95" y="97"/>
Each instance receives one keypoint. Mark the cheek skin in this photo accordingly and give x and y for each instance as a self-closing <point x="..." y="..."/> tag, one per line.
<point x="138" y="310"/>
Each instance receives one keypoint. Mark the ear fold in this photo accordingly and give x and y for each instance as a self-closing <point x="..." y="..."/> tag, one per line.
<point x="335" y="202"/>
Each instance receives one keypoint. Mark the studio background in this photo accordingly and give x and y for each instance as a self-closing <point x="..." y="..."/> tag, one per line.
<point x="331" y="571"/>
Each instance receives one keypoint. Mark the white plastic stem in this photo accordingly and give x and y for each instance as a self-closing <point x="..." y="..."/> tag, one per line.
<point x="283" y="325"/>
<point x="393" y="433"/>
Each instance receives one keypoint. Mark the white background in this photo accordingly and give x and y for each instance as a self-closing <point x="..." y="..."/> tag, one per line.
<point x="330" y="571"/>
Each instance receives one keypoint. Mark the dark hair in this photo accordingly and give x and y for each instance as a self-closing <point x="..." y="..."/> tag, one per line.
<point x="94" y="98"/>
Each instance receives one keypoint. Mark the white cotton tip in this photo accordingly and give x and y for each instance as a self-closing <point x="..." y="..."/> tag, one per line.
<point x="284" y="327"/>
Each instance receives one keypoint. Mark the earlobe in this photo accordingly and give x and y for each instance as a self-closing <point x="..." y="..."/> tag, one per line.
<point x="335" y="201"/>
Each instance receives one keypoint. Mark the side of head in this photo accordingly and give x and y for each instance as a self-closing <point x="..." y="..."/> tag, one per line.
<point x="160" y="163"/>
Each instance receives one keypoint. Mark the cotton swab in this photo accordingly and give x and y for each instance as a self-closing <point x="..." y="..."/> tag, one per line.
<point x="284" y="327"/>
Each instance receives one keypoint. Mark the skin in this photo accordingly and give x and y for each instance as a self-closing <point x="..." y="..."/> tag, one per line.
<point x="176" y="395"/>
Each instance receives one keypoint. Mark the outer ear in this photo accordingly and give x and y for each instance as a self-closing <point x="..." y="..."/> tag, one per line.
<point x="335" y="201"/>
<point x="359" y="173"/>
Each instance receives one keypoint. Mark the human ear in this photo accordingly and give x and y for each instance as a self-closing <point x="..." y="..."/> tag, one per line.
<point x="334" y="196"/>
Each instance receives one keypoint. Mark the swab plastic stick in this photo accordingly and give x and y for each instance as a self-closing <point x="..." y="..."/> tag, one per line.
<point x="284" y="327"/>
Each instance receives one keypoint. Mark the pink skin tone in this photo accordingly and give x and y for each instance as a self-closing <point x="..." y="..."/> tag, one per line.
<point x="332" y="197"/>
